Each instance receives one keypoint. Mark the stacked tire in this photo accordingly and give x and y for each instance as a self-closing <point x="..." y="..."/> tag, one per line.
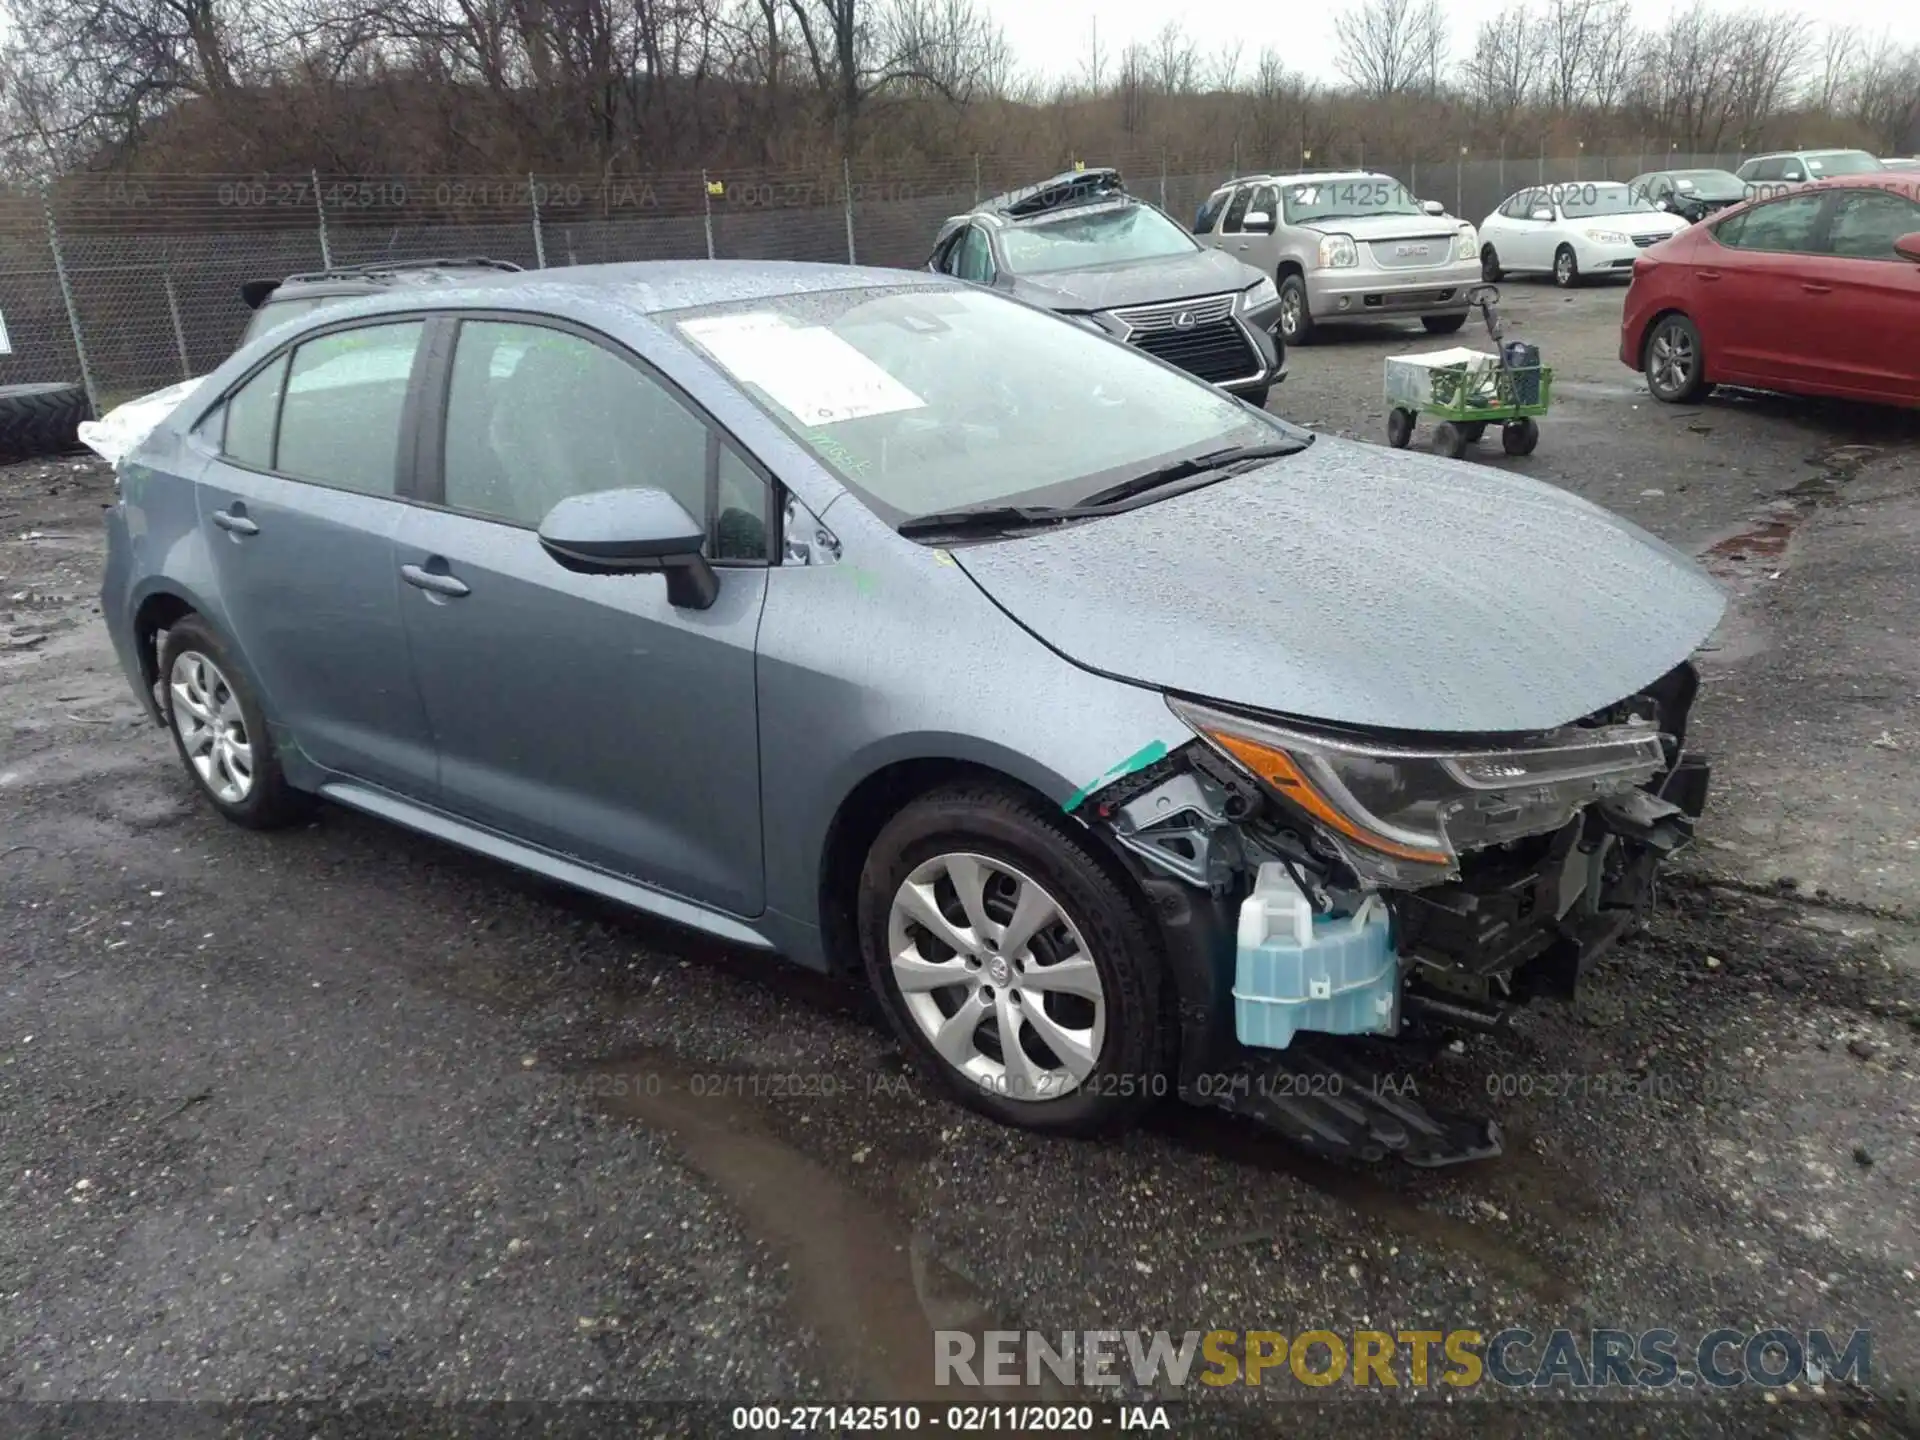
<point x="41" y="419"/>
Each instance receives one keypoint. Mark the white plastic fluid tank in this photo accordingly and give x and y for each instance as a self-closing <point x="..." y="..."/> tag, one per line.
<point x="1296" y="971"/>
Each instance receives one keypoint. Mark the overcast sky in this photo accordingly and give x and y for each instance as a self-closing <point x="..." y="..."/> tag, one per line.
<point x="1053" y="36"/>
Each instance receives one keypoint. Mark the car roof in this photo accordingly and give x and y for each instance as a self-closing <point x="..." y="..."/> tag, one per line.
<point x="654" y="286"/>
<point x="1297" y="177"/>
<point x="370" y="278"/>
<point x="1070" y="190"/>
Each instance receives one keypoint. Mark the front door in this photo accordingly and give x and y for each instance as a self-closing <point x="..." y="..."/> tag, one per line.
<point x="1871" y="342"/>
<point x="583" y="713"/>
<point x="1764" y="304"/>
<point x="299" y="511"/>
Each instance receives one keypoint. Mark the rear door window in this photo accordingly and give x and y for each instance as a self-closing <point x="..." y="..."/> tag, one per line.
<point x="340" y="419"/>
<point x="1236" y="210"/>
<point x="250" y="416"/>
<point x="1787" y="225"/>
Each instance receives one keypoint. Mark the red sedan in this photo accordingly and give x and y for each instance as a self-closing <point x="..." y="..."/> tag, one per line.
<point x="1816" y="292"/>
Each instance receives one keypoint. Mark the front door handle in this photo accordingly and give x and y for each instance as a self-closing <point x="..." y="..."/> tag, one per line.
<point x="434" y="582"/>
<point x="1708" y="274"/>
<point x="235" y="521"/>
<point x="1813" y="289"/>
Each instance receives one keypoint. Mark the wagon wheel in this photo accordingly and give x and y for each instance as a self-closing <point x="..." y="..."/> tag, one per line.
<point x="1450" y="439"/>
<point x="1519" y="437"/>
<point x="1399" y="427"/>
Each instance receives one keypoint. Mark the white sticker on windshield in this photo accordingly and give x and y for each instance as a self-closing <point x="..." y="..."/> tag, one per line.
<point x="1684" y="184"/>
<point x="1816" y="164"/>
<point x="805" y="369"/>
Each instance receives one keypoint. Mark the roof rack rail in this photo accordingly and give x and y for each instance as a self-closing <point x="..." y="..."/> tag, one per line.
<point x="1073" y="187"/>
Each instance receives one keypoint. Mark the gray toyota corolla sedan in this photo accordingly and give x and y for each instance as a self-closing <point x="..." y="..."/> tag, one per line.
<point x="1133" y="741"/>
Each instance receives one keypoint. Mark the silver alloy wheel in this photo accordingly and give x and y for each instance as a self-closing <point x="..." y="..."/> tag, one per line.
<point x="1670" y="360"/>
<point x="997" y="976"/>
<point x="1291" y="304"/>
<point x="212" y="729"/>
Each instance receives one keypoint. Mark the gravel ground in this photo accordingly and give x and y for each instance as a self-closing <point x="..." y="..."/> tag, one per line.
<point x="345" y="1115"/>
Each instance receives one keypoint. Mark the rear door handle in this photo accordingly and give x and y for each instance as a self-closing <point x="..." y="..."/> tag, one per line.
<point x="235" y="521"/>
<point x="1813" y="289"/>
<point x="434" y="582"/>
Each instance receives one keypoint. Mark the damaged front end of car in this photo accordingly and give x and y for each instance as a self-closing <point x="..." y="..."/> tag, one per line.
<point x="1316" y="882"/>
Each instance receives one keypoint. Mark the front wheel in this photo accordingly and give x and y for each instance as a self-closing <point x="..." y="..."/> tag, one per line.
<point x="1520" y="437"/>
<point x="1399" y="427"/>
<point x="1675" y="364"/>
<point x="1296" y="317"/>
<point x="1566" y="268"/>
<point x="1019" y="975"/>
<point x="1490" y="271"/>
<point x="219" y="732"/>
<point x="1450" y="439"/>
<point x="1443" y="324"/>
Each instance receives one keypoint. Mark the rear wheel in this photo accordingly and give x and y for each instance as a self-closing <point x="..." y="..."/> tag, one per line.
<point x="1675" y="364"/>
<point x="1399" y="428"/>
<point x="1566" y="268"/>
<point x="1296" y="318"/>
<point x="1017" y="972"/>
<point x="1450" y="439"/>
<point x="220" y="733"/>
<point x="1443" y="324"/>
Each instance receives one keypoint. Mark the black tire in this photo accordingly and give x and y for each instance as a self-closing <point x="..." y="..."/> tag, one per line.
<point x="1674" y="361"/>
<point x="1520" y="437"/>
<point x="1399" y="427"/>
<point x="1490" y="271"/>
<point x="1566" y="268"/>
<point x="1442" y="324"/>
<point x="1450" y="439"/>
<point x="270" y="802"/>
<point x="1296" y="316"/>
<point x="1132" y="1067"/>
<point x="41" y="419"/>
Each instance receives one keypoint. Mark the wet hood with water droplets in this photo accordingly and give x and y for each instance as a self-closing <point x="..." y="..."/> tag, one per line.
<point x="1361" y="586"/>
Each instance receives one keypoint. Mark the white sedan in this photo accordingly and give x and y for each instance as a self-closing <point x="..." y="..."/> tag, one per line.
<point x="1571" y="231"/>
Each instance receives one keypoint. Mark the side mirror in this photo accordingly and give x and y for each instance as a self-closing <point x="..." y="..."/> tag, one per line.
<point x="1663" y="205"/>
<point x="638" y="531"/>
<point x="1542" y="214"/>
<point x="1908" y="246"/>
<point x="1257" y="222"/>
<point x="1433" y="207"/>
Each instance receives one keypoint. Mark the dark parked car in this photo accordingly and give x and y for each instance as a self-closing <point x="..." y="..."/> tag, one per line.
<point x="1814" y="292"/>
<point x="1691" y="194"/>
<point x="1117" y="730"/>
<point x="1081" y="246"/>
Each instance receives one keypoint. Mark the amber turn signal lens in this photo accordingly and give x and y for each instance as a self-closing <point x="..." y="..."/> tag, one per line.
<point x="1277" y="769"/>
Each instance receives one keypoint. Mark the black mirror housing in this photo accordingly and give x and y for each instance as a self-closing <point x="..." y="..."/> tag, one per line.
<point x="633" y="531"/>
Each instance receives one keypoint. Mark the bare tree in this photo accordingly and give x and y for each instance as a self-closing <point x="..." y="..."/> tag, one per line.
<point x="1391" y="47"/>
<point x="1885" y="95"/>
<point x="1223" y="73"/>
<point x="1498" y="78"/>
<point x="1839" y="47"/>
<point x="1176" y="60"/>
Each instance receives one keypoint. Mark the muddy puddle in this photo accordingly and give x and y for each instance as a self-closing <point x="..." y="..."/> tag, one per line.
<point x="864" y="1275"/>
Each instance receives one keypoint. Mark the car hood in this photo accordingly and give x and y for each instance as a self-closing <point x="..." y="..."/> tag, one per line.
<point x="1137" y="282"/>
<point x="1357" y="586"/>
<point x="1389" y="227"/>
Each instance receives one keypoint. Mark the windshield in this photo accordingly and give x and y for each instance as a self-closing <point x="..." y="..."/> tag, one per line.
<point x="1138" y="232"/>
<point x="1709" y="184"/>
<point x="1353" y="199"/>
<point x="1579" y="201"/>
<point x="278" y="312"/>
<point x="1842" y="162"/>
<point x="927" y="400"/>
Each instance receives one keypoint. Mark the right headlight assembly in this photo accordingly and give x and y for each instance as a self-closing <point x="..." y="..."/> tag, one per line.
<point x="1402" y="816"/>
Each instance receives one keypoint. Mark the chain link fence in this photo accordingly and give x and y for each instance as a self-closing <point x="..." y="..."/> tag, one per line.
<point x="129" y="284"/>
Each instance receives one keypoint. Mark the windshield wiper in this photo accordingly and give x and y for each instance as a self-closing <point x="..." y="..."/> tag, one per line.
<point x="1217" y="464"/>
<point x="988" y="517"/>
<point x="1224" y="461"/>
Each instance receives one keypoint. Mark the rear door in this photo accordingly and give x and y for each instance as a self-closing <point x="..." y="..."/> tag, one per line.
<point x="583" y="713"/>
<point x="1868" y="296"/>
<point x="300" y="509"/>
<point x="1760" y="319"/>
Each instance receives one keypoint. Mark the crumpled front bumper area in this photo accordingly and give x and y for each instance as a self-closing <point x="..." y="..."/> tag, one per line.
<point x="1284" y="1014"/>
